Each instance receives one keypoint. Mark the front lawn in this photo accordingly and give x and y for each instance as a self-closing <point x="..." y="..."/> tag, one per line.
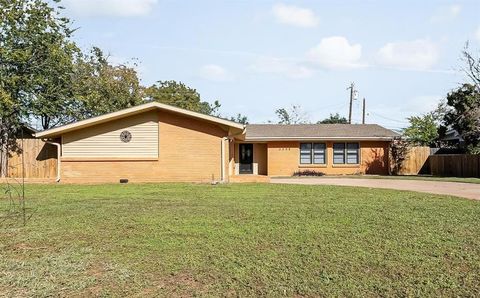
<point x="240" y="240"/>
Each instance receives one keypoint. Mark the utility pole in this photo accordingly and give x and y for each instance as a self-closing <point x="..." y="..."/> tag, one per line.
<point x="363" y="114"/>
<point x="352" y="95"/>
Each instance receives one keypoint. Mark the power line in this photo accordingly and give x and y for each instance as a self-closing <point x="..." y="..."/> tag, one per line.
<point x="387" y="118"/>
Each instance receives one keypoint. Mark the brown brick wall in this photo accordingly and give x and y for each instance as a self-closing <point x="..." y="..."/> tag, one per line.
<point x="284" y="159"/>
<point x="189" y="150"/>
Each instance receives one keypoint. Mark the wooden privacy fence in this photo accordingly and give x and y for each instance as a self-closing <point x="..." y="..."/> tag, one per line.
<point x="39" y="158"/>
<point x="455" y="165"/>
<point x="415" y="161"/>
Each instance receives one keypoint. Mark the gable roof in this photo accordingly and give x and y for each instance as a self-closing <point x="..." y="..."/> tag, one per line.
<point x="57" y="131"/>
<point x="318" y="132"/>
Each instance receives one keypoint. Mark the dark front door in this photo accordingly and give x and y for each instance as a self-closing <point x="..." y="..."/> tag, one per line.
<point x="246" y="159"/>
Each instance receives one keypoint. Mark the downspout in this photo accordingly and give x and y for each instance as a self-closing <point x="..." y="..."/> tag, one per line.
<point x="222" y="172"/>
<point x="59" y="149"/>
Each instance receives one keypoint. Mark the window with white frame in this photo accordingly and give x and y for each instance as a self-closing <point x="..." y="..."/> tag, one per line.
<point x="313" y="153"/>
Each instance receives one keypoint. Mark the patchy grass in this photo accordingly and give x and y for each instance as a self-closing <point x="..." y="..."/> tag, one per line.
<point x="240" y="240"/>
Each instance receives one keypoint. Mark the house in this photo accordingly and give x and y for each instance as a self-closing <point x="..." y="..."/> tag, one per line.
<point x="155" y="142"/>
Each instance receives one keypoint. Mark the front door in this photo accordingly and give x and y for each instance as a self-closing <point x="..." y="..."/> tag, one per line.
<point x="246" y="158"/>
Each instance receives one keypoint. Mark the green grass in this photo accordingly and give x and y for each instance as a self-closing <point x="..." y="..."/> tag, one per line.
<point x="240" y="240"/>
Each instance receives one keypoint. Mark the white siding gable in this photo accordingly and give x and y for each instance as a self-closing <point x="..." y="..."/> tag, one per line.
<point x="103" y="140"/>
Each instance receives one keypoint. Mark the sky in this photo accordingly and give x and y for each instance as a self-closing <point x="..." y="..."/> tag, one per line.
<point x="258" y="56"/>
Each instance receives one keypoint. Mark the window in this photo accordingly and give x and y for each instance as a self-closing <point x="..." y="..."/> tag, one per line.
<point x="305" y="153"/>
<point x="313" y="153"/>
<point x="319" y="153"/>
<point x="346" y="153"/>
<point x="352" y="153"/>
<point x="339" y="153"/>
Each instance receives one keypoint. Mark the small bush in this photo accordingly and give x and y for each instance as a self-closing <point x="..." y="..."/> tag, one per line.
<point x="308" y="173"/>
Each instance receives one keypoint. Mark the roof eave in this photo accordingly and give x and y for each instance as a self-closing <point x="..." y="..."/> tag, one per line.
<point x="55" y="132"/>
<point x="384" y="138"/>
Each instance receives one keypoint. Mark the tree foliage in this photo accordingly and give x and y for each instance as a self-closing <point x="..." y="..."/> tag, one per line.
<point x="423" y="130"/>
<point x="239" y="118"/>
<point x="463" y="115"/>
<point x="180" y="95"/>
<point x="334" y="119"/>
<point x="292" y="115"/>
<point x="35" y="58"/>
<point x="100" y="87"/>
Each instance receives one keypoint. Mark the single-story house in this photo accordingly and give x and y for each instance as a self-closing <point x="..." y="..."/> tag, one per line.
<point x="155" y="142"/>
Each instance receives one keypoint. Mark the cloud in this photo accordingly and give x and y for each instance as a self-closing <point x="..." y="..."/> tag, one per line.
<point x="420" y="54"/>
<point x="446" y="13"/>
<point x="336" y="53"/>
<point x="284" y="67"/>
<point x="118" y="8"/>
<point x="295" y="16"/>
<point x="215" y="72"/>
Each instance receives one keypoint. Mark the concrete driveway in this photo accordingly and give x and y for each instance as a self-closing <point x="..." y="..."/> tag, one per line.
<point x="465" y="190"/>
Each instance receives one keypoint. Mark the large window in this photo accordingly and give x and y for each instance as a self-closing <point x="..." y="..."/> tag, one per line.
<point x="315" y="153"/>
<point x="346" y="153"/>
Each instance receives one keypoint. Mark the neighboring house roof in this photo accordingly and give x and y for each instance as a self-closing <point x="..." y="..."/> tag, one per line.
<point x="452" y="135"/>
<point x="318" y="132"/>
<point x="54" y="132"/>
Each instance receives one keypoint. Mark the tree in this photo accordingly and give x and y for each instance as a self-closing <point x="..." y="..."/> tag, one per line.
<point x="240" y="119"/>
<point x="472" y="68"/>
<point x="334" y="119"/>
<point x="463" y="115"/>
<point x="100" y="87"/>
<point x="398" y="150"/>
<point x="423" y="130"/>
<point x="292" y="115"/>
<point x="36" y="58"/>
<point x="179" y="95"/>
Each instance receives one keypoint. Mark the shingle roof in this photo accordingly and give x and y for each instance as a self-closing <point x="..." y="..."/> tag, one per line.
<point x="321" y="131"/>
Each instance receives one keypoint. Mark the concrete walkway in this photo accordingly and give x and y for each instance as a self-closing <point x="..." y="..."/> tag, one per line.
<point x="465" y="190"/>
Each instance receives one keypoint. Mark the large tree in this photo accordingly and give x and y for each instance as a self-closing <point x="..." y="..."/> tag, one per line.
<point x="463" y="115"/>
<point x="334" y="119"/>
<point x="180" y="95"/>
<point x="36" y="57"/>
<point x="101" y="87"/>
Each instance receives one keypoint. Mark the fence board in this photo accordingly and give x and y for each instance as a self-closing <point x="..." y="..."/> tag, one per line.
<point x="40" y="160"/>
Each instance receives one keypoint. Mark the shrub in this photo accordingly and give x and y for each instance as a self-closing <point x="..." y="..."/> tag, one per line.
<point x="308" y="173"/>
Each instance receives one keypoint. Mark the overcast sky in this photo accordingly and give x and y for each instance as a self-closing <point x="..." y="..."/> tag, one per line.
<point x="257" y="56"/>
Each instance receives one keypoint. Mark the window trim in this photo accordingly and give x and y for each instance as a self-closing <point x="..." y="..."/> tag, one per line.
<point x="345" y="154"/>
<point x="312" y="153"/>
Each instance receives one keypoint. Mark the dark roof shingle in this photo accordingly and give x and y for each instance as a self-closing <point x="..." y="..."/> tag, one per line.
<point x="298" y="131"/>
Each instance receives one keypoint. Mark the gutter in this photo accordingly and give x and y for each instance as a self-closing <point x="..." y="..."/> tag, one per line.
<point x="319" y="138"/>
<point x="59" y="149"/>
